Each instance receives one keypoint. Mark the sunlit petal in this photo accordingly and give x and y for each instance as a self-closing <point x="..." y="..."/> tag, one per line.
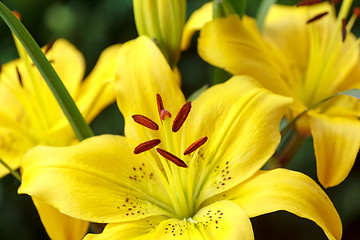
<point x="228" y="114"/>
<point x="123" y="182"/>
<point x="281" y="189"/>
<point x="60" y="226"/>
<point x="336" y="143"/>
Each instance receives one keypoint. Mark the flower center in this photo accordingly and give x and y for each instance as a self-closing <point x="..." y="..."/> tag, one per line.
<point x="331" y="52"/>
<point x="176" y="169"/>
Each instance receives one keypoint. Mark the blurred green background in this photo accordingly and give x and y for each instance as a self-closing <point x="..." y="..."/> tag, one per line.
<point x="93" y="25"/>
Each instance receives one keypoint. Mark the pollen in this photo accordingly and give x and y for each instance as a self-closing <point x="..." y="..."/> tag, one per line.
<point x="146" y="146"/>
<point x="317" y="17"/>
<point x="181" y="116"/>
<point x="171" y="158"/>
<point x="194" y="146"/>
<point x="146" y="122"/>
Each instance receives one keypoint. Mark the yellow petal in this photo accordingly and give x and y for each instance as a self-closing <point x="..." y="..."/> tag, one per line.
<point x="220" y="220"/>
<point x="336" y="143"/>
<point x="196" y="21"/>
<point x="60" y="226"/>
<point x="100" y="179"/>
<point x="97" y="90"/>
<point x="237" y="46"/>
<point x="69" y="64"/>
<point x="241" y="121"/>
<point x="143" y="72"/>
<point x="281" y="189"/>
<point x="140" y="229"/>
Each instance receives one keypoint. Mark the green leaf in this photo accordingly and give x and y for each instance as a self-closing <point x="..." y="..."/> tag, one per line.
<point x="262" y="12"/>
<point x="77" y="122"/>
<point x="239" y="6"/>
<point x="351" y="92"/>
<point x="222" y="8"/>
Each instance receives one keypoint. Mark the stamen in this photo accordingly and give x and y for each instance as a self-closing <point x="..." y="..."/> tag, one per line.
<point x="159" y="104"/>
<point x="164" y="113"/>
<point x="19" y="76"/>
<point x="195" y="145"/>
<point x="146" y="122"/>
<point x="49" y="46"/>
<point x="343" y="29"/>
<point x="143" y="147"/>
<point x="317" y="17"/>
<point x="172" y="158"/>
<point x="356" y="11"/>
<point x="308" y="2"/>
<point x="334" y="1"/>
<point x="181" y="116"/>
<point x="17" y="15"/>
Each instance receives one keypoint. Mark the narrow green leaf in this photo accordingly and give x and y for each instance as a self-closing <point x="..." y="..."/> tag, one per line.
<point x="81" y="129"/>
<point x="351" y="92"/>
<point x="222" y="8"/>
<point x="239" y="6"/>
<point x="12" y="172"/>
<point x="262" y="12"/>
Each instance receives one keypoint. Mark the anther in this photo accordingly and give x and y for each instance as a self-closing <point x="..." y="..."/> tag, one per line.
<point x="19" y="76"/>
<point x="194" y="146"/>
<point x="159" y="104"/>
<point x="17" y="15"/>
<point x="49" y="46"/>
<point x="146" y="122"/>
<point x="143" y="147"/>
<point x="343" y="29"/>
<point x="317" y="17"/>
<point x="171" y="158"/>
<point x="356" y="11"/>
<point x="181" y="116"/>
<point x="308" y="2"/>
<point x="164" y="113"/>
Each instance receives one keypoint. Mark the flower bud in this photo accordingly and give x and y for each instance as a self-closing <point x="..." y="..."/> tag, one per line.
<point x="163" y="21"/>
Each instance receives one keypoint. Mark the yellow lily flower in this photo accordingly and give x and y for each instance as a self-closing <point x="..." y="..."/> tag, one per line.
<point x="30" y="115"/>
<point x="302" y="55"/>
<point x="194" y="177"/>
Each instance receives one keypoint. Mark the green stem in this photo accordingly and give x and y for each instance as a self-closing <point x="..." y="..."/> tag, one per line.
<point x="288" y="152"/>
<point x="262" y="12"/>
<point x="12" y="172"/>
<point x="77" y="122"/>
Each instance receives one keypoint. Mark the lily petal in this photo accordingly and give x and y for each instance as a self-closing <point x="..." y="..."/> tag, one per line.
<point x="142" y="72"/>
<point x="336" y="143"/>
<point x="126" y="186"/>
<point x="97" y="91"/>
<point x="228" y="114"/>
<point x="140" y="229"/>
<point x="281" y="189"/>
<point x="237" y="46"/>
<point x="220" y="220"/>
<point x="60" y="226"/>
<point x="196" y="21"/>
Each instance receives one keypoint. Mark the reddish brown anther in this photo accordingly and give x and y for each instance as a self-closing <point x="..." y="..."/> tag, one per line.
<point x="49" y="46"/>
<point x="308" y="2"/>
<point x="317" y="17"/>
<point x="181" y="116"/>
<point x="356" y="11"/>
<point x="17" y="15"/>
<point x="334" y="1"/>
<point x="160" y="104"/>
<point x="343" y="29"/>
<point x="143" y="147"/>
<point x="164" y="113"/>
<point x="19" y="76"/>
<point x="172" y="158"/>
<point x="195" y="145"/>
<point x="146" y="122"/>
